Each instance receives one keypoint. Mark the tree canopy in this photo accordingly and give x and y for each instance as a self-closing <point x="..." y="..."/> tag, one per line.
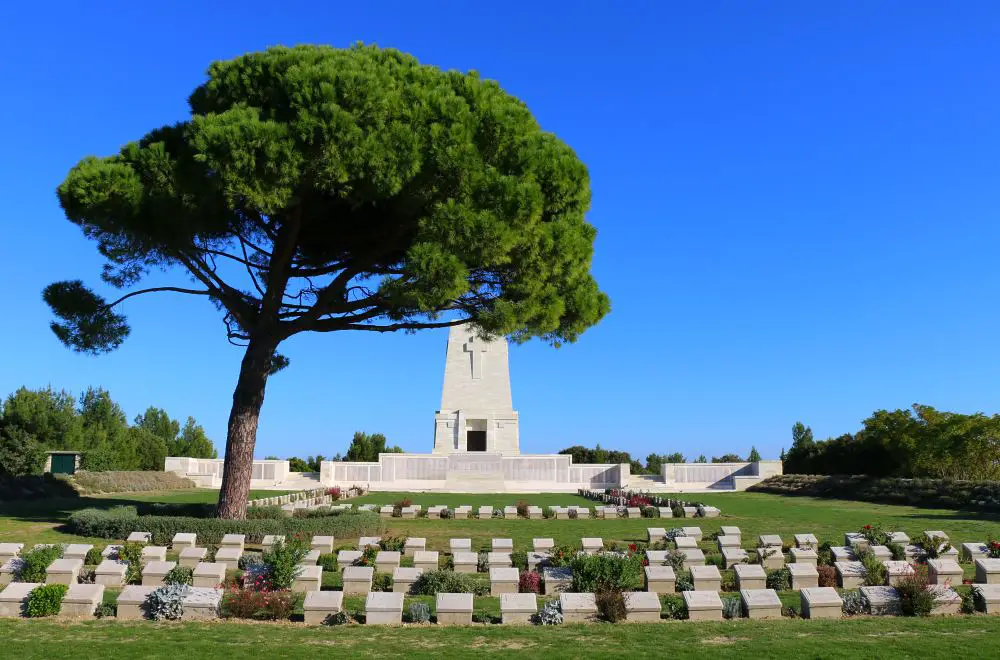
<point x="919" y="442"/>
<point x="322" y="189"/>
<point x="35" y="421"/>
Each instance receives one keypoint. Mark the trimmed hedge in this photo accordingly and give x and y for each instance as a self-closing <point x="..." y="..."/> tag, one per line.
<point x="119" y="522"/>
<point x="129" y="481"/>
<point x="928" y="493"/>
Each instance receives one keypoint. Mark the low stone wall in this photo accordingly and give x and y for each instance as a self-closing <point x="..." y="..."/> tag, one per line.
<point x="207" y="472"/>
<point x="730" y="476"/>
<point x="478" y="472"/>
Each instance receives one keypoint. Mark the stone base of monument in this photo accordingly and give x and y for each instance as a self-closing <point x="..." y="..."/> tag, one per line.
<point x="518" y="608"/>
<point x="201" y="604"/>
<point x="13" y="598"/>
<point x="384" y="608"/>
<point x="321" y="604"/>
<point x="81" y="600"/>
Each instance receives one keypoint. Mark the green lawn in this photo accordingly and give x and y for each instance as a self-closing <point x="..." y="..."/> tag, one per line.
<point x="850" y="639"/>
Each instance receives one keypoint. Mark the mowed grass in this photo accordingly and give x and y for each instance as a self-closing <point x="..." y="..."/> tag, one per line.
<point x="895" y="637"/>
<point x="753" y="513"/>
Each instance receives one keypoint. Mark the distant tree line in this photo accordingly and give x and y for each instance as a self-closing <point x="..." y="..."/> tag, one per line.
<point x="654" y="462"/>
<point x="364" y="447"/>
<point x="919" y="442"/>
<point x="33" y="422"/>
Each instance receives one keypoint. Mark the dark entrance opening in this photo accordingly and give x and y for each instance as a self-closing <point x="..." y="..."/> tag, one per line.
<point x="63" y="463"/>
<point x="475" y="440"/>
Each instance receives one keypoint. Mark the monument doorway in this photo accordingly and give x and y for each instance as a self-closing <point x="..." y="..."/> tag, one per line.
<point x="475" y="441"/>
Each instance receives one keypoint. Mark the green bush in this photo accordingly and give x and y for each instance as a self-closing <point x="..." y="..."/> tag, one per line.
<point x="282" y="562"/>
<point x="419" y="613"/>
<point x="382" y="582"/>
<point x="106" y="611"/>
<point x="129" y="481"/>
<point x="328" y="561"/>
<point x="93" y="557"/>
<point x="392" y="543"/>
<point x="35" y="561"/>
<point x="179" y="575"/>
<point x="131" y="554"/>
<point x="45" y="600"/>
<point x="606" y="572"/>
<point x="876" y="573"/>
<point x="916" y="594"/>
<point x="673" y="606"/>
<point x="119" y="522"/>
<point x="430" y="583"/>
<point x="779" y="579"/>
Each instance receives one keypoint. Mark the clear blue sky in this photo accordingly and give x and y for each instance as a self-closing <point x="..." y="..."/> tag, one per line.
<point x="797" y="207"/>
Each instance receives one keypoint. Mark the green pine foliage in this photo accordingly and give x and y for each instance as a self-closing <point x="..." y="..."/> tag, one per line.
<point x="410" y="196"/>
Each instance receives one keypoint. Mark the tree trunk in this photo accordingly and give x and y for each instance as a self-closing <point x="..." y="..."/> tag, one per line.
<point x="242" y="434"/>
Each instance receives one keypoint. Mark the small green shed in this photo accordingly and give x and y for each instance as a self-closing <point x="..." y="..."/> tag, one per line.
<point x="62" y="462"/>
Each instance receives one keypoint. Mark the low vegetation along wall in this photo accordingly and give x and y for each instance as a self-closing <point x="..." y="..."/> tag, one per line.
<point x="119" y="522"/>
<point x="131" y="481"/>
<point x="934" y="493"/>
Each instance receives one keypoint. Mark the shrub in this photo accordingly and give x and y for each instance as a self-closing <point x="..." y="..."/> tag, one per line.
<point x="824" y="555"/>
<point x="968" y="601"/>
<point x="673" y="606"/>
<point x="250" y="559"/>
<point x="675" y="560"/>
<point x="106" y="611"/>
<point x="93" y="557"/>
<point x="497" y="513"/>
<point x="45" y="600"/>
<point x="368" y="556"/>
<point x="932" y="546"/>
<point x="684" y="582"/>
<point x="561" y="555"/>
<point x="548" y="514"/>
<point x="916" y="595"/>
<point x="447" y="514"/>
<point x="119" y="522"/>
<point x="430" y="583"/>
<point x="35" y="561"/>
<point x="328" y="561"/>
<point x="259" y="605"/>
<point x="993" y="548"/>
<point x="268" y="512"/>
<point x="678" y="511"/>
<point x="610" y="605"/>
<point x="875" y="534"/>
<point x="673" y="533"/>
<point x="129" y="481"/>
<point x="650" y="512"/>
<point x="779" y="579"/>
<point x="392" y="543"/>
<point x="551" y="614"/>
<point x="714" y="560"/>
<point x="179" y="575"/>
<point x="522" y="509"/>
<point x="131" y="554"/>
<point x="854" y="603"/>
<point x="732" y="608"/>
<point x="382" y="582"/>
<point x="572" y="514"/>
<point x="519" y="559"/>
<point x="827" y="575"/>
<point x="606" y="572"/>
<point x="876" y="574"/>
<point x="333" y="493"/>
<point x="336" y="619"/>
<point x="166" y="603"/>
<point x="420" y="613"/>
<point x="728" y="581"/>
<point x="530" y="582"/>
<point x="897" y="550"/>
<point x="483" y="562"/>
<point x="282" y="562"/>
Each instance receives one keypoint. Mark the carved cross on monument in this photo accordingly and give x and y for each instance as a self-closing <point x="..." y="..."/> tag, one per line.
<point x="477" y="349"/>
